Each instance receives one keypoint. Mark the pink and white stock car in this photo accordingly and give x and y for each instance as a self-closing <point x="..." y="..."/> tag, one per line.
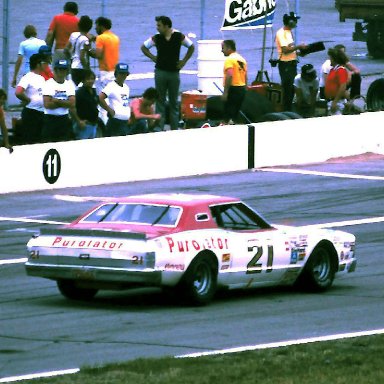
<point x="194" y="244"/>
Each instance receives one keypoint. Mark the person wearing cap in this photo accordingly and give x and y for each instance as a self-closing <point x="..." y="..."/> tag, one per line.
<point x="61" y="27"/>
<point x="306" y="89"/>
<point x="117" y="107"/>
<point x="168" y="42"/>
<point x="29" y="91"/>
<point x="288" y="52"/>
<point x="27" y="48"/>
<point x="59" y="100"/>
<point x="106" y="51"/>
<point x="46" y="53"/>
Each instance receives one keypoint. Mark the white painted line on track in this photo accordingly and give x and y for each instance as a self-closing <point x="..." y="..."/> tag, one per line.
<point x="14" y="261"/>
<point x="347" y="223"/>
<point x="317" y="173"/>
<point x="284" y="343"/>
<point x="39" y="375"/>
<point x="27" y="220"/>
<point x="279" y="344"/>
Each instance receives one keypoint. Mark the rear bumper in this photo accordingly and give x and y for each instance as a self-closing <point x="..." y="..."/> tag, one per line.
<point x="91" y="274"/>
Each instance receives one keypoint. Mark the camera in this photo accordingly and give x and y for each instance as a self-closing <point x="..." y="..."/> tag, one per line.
<point x="273" y="62"/>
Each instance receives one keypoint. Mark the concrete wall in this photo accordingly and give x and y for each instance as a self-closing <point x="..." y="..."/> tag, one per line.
<point x="188" y="152"/>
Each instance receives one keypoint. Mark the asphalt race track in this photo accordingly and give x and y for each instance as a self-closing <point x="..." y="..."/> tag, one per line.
<point x="41" y="331"/>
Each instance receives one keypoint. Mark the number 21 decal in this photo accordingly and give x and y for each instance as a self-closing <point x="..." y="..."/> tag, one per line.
<point x="255" y="266"/>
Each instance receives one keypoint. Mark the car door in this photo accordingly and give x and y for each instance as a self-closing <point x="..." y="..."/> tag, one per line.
<point x="258" y="258"/>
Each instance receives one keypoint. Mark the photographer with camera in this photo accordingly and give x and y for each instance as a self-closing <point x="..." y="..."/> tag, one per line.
<point x="287" y="62"/>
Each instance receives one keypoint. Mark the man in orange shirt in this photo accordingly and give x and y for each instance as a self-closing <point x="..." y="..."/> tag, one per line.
<point x="106" y="51"/>
<point x="235" y="81"/>
<point x="61" y="28"/>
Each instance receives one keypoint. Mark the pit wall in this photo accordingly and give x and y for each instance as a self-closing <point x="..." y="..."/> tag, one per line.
<point x="188" y="152"/>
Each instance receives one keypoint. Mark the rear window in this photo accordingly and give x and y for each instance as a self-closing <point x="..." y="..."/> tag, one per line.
<point x="165" y="215"/>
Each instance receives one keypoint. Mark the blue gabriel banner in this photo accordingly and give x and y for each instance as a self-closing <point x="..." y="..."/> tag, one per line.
<point x="248" y="14"/>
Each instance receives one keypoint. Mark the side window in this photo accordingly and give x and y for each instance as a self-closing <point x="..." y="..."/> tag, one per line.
<point x="237" y="216"/>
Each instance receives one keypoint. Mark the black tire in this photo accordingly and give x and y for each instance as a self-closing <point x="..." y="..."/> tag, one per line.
<point x="275" y="116"/>
<point x="215" y="108"/>
<point x="292" y="115"/>
<point x="70" y="290"/>
<point x="375" y="96"/>
<point x="254" y="107"/>
<point x="199" y="284"/>
<point x="319" y="272"/>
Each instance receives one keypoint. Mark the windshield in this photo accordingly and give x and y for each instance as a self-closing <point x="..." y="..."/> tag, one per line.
<point x="134" y="213"/>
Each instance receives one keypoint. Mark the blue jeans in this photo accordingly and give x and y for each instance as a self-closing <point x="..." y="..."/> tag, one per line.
<point x="140" y="126"/>
<point x="168" y="82"/>
<point x="88" y="132"/>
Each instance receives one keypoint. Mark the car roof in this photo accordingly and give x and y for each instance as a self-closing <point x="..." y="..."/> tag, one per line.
<point x="179" y="199"/>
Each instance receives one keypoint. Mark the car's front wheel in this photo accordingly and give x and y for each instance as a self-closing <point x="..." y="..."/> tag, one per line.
<point x="319" y="272"/>
<point x="70" y="290"/>
<point x="199" y="283"/>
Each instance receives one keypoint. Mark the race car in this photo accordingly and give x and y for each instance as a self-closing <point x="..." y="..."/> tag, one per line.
<point x="192" y="244"/>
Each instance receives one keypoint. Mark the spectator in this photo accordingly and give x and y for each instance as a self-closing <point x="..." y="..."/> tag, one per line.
<point x="106" y="51"/>
<point x="143" y="117"/>
<point x="235" y="81"/>
<point x="354" y="83"/>
<point x="46" y="53"/>
<point x="3" y="126"/>
<point x="29" y="91"/>
<point x="61" y="28"/>
<point x="168" y="42"/>
<point x="87" y="102"/>
<point x="118" y="109"/>
<point x="306" y="89"/>
<point x="287" y="51"/>
<point x="336" y="81"/>
<point x="77" y="49"/>
<point x="27" y="48"/>
<point x="59" y="101"/>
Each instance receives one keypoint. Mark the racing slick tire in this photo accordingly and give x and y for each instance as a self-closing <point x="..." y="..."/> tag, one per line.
<point x="70" y="290"/>
<point x="275" y="116"/>
<point x="199" y="284"/>
<point x="319" y="272"/>
<point x="375" y="96"/>
<point x="292" y="115"/>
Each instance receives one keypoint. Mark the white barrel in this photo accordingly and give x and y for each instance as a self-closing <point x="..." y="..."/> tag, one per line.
<point x="210" y="64"/>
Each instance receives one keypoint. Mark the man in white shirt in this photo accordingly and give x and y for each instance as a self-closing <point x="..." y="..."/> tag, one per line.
<point x="59" y="100"/>
<point x="30" y="91"/>
<point x="117" y="107"/>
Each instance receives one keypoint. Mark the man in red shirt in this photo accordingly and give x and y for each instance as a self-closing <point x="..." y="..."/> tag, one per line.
<point x="61" y="28"/>
<point x="336" y="82"/>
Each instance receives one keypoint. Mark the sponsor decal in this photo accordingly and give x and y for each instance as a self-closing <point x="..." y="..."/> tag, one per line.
<point x="214" y="243"/>
<point x="81" y="243"/>
<point x="226" y="258"/>
<point x="174" y="267"/>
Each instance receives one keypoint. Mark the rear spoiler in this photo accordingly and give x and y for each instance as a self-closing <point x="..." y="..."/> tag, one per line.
<point x="91" y="232"/>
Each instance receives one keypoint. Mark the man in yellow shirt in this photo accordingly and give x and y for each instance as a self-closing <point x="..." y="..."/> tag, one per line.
<point x="106" y="51"/>
<point x="235" y="81"/>
<point x="287" y="51"/>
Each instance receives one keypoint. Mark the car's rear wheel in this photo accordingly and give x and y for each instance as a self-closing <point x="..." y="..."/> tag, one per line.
<point x="199" y="283"/>
<point x="70" y="290"/>
<point x="319" y="272"/>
